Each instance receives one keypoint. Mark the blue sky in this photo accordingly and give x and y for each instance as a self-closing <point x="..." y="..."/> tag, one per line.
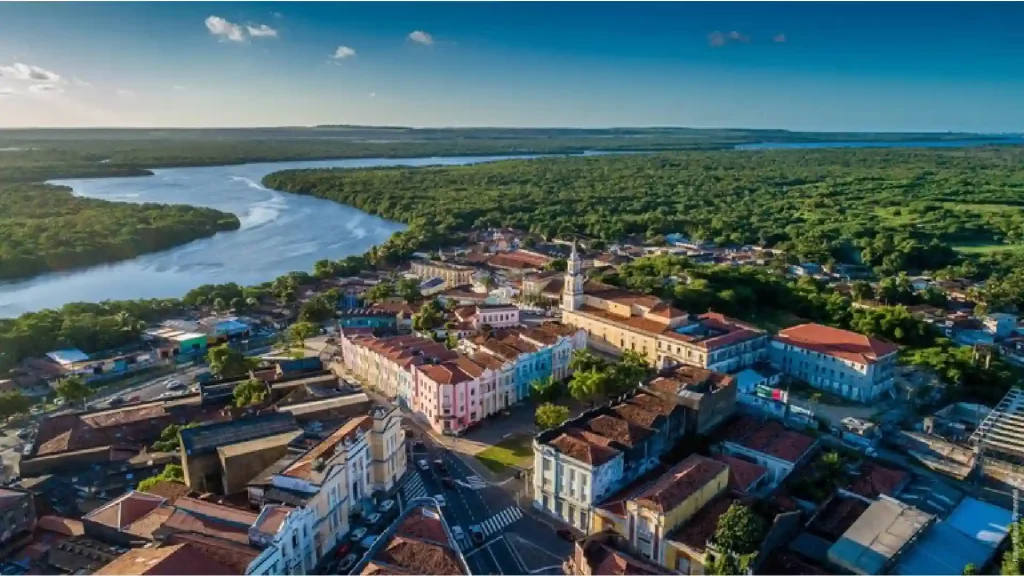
<point x="801" y="66"/>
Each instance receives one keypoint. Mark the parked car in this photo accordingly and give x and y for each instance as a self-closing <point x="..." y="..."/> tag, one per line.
<point x="343" y="549"/>
<point x="457" y="533"/>
<point x="566" y="534"/>
<point x="372" y="519"/>
<point x="440" y="465"/>
<point x="423" y="465"/>
<point x="347" y="563"/>
<point x="385" y="506"/>
<point x="174" y="385"/>
<point x="440" y="500"/>
<point x="115" y="401"/>
<point x="419" y="446"/>
<point x="24" y="433"/>
<point x="35" y="410"/>
<point x="477" y="533"/>
<point x="357" y="534"/>
<point x="59" y="401"/>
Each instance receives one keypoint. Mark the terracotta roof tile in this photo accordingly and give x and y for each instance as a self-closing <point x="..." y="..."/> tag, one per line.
<point x="419" y="556"/>
<point x="303" y="467"/>
<point x="701" y="527"/>
<point x="619" y="430"/>
<point x="681" y="482"/>
<point x="166" y="560"/>
<point x="579" y="448"/>
<point x="769" y="437"/>
<point x="236" y="557"/>
<point x="123" y="511"/>
<point x="838" y="343"/>
<point x="874" y="480"/>
<point x="742" y="474"/>
<point x="182" y="521"/>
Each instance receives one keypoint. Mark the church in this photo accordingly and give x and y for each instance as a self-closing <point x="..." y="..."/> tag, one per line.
<point x="617" y="320"/>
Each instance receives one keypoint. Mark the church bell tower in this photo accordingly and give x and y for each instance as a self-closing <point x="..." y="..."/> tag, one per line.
<point x="572" y="291"/>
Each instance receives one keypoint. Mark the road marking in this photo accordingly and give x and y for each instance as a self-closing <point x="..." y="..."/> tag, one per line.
<point x="473" y="482"/>
<point x="413" y="487"/>
<point x="501" y="519"/>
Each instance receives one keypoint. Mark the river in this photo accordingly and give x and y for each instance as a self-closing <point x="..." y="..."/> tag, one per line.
<point x="280" y="233"/>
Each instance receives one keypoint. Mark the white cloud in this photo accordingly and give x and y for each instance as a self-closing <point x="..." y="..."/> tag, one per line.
<point x="45" y="89"/>
<point x="124" y="93"/>
<point x="226" y="30"/>
<point x="343" y="52"/>
<point x="261" y="31"/>
<point x="6" y="92"/>
<point x="421" y="37"/>
<point x="80" y="82"/>
<point x="717" y="38"/>
<point x="373" y="94"/>
<point x="20" y="71"/>
<point x="179" y="87"/>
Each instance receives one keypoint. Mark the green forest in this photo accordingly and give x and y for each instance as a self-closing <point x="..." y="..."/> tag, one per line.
<point x="46" y="228"/>
<point x="893" y="209"/>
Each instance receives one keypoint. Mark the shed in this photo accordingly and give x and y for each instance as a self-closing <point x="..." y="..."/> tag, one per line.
<point x="981" y="521"/>
<point x="68" y="356"/>
<point x="881" y="534"/>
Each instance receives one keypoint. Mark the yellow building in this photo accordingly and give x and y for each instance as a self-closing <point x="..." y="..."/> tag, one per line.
<point x="617" y="320"/>
<point x="387" y="448"/>
<point x="452" y="274"/>
<point x="646" y="517"/>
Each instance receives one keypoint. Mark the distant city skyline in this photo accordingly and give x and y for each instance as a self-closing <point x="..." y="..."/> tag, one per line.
<point x="797" y="66"/>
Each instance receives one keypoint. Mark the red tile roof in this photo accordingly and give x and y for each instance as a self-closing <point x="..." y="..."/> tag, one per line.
<point x="120" y="513"/>
<point x="742" y="474"/>
<point x="874" y="480"/>
<point x="167" y="560"/>
<point x="701" y="527"/>
<point x="446" y="373"/>
<point x="619" y="430"/>
<point x="574" y="444"/>
<point x="681" y="482"/>
<point x="303" y="467"/>
<point x="419" y="556"/>
<point x="838" y="343"/>
<point x="769" y="437"/>
<point x="182" y="521"/>
<point x="236" y="557"/>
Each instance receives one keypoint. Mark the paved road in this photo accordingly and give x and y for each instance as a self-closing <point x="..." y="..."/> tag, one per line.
<point x="152" y="388"/>
<point x="475" y="502"/>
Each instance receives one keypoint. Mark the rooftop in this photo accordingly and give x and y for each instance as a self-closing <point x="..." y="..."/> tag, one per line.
<point x="872" y="480"/>
<point x="769" y="437"/>
<point x="306" y="467"/>
<point x="838" y="343"/>
<point x="878" y="536"/>
<point x="691" y="382"/>
<point x="742" y="473"/>
<point x="1003" y="428"/>
<point x="417" y="542"/>
<point x="125" y="510"/>
<point x="696" y="533"/>
<point x="206" y="439"/>
<point x="681" y="482"/>
<point x="166" y="560"/>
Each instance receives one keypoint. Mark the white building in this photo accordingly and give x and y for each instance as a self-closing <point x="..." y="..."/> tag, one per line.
<point x="286" y="535"/>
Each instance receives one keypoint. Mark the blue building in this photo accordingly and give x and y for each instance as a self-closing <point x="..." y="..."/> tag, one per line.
<point x="379" y="320"/>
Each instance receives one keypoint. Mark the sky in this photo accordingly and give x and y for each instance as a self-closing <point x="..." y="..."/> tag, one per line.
<point x="799" y="66"/>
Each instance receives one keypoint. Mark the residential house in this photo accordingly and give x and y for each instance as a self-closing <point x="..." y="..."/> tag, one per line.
<point x="769" y="444"/>
<point x="17" y="517"/>
<point x="846" y="363"/>
<point x="608" y="553"/>
<point x="708" y="396"/>
<point x="497" y="316"/>
<point x="419" y="541"/>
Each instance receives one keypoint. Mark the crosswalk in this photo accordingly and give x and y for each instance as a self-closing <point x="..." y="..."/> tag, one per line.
<point x="498" y="521"/>
<point x="413" y="486"/>
<point x="474" y="482"/>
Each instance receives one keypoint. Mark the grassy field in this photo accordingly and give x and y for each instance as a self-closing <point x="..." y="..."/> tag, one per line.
<point x="516" y="452"/>
<point x="987" y="248"/>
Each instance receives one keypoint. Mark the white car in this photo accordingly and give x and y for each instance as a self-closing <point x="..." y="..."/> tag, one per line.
<point x="440" y="500"/>
<point x="385" y="506"/>
<point x="357" y="534"/>
<point x="457" y="532"/>
<point x="423" y="465"/>
<point x="174" y="385"/>
<point x="372" y="518"/>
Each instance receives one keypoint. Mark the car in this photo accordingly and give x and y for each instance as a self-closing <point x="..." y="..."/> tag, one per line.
<point x="357" y="534"/>
<point x="448" y="483"/>
<point x="385" y="506"/>
<point x="115" y="401"/>
<point x="423" y="465"/>
<point x="343" y="549"/>
<point x="440" y="500"/>
<point x="24" y="434"/>
<point x="59" y="401"/>
<point x="347" y="563"/>
<point x="457" y="533"/>
<point x="35" y="410"/>
<point x="440" y="465"/>
<point x="174" y="385"/>
<point x="372" y="518"/>
<point x="565" y="534"/>
<point x="134" y="398"/>
<point x="477" y="533"/>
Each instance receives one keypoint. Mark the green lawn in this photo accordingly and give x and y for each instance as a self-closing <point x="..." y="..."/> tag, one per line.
<point x="987" y="248"/>
<point x="516" y="452"/>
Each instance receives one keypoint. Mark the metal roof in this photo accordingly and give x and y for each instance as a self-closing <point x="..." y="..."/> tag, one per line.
<point x="878" y="536"/>
<point x="205" y="439"/>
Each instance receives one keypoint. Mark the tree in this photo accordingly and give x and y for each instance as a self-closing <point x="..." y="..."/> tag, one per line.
<point x="631" y="370"/>
<point x="169" y="440"/>
<point x="12" y="403"/>
<point x="408" y="289"/>
<point x="862" y="291"/>
<point x="73" y="390"/>
<point x="170" y="473"/>
<point x="970" y="569"/>
<point x="549" y="415"/>
<point x="588" y="385"/>
<point x="584" y="359"/>
<point x="249" y="393"/>
<point x="452" y="341"/>
<point x="318" y="309"/>
<point x="740" y="531"/>
<point x="226" y="362"/>
<point x="427" y="318"/>
<point x="729" y="564"/>
<point x="219" y="304"/>
<point x="300" y="331"/>
<point x="237" y="304"/>
<point x="546" y="390"/>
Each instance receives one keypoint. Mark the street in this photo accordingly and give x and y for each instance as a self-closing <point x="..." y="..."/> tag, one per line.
<point x="472" y="501"/>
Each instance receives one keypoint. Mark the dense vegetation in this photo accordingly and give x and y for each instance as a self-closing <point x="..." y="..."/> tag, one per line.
<point x="893" y="209"/>
<point x="45" y="228"/>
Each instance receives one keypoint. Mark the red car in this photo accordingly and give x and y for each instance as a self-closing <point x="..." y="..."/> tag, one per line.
<point x="342" y="550"/>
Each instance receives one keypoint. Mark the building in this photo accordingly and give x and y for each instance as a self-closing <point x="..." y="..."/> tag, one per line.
<point x="1000" y="324"/>
<point x="846" y="363"/>
<point x="452" y="274"/>
<point x="767" y="443"/>
<point x="708" y="396"/>
<point x="1000" y="437"/>
<point x="419" y="541"/>
<point x="373" y="318"/>
<point x="331" y="479"/>
<point x="175" y="343"/>
<point x="17" y="517"/>
<point x="588" y="458"/>
<point x="669" y="502"/>
<point x="452" y="390"/>
<point x="878" y="537"/>
<point x="387" y="448"/>
<point x="609" y="553"/>
<point x="497" y="316"/>
<point x="222" y="457"/>
<point x="617" y="320"/>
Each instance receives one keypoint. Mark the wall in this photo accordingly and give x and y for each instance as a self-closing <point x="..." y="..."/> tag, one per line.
<point x="857" y="382"/>
<point x="237" y="471"/>
<point x="605" y="332"/>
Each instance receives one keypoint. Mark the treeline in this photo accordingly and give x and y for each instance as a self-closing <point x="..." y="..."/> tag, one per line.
<point x="893" y="209"/>
<point x="45" y="228"/>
